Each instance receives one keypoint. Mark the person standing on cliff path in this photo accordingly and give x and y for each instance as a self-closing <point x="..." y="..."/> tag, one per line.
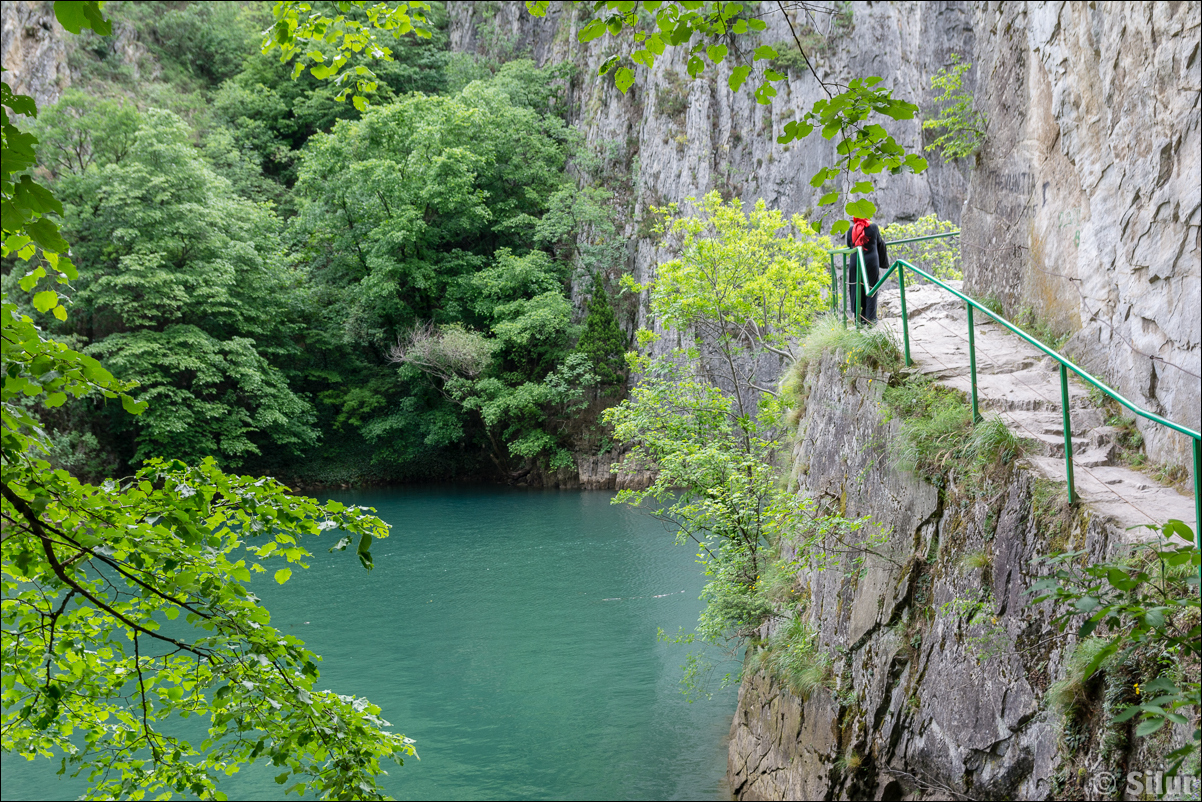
<point x="865" y="234"/>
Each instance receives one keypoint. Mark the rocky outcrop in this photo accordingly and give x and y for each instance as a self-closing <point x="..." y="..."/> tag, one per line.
<point x="33" y="51"/>
<point x="1085" y="202"/>
<point x="929" y="700"/>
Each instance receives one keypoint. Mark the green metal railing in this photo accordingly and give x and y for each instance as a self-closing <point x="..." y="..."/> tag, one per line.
<point x="839" y="289"/>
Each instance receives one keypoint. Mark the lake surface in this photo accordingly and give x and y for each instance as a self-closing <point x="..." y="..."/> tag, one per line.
<point x="513" y="635"/>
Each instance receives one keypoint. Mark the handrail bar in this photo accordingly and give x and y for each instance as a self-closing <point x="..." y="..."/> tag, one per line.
<point x="1066" y="365"/>
<point x="1152" y="416"/>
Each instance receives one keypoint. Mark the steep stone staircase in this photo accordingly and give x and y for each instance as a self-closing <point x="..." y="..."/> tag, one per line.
<point x="1022" y="386"/>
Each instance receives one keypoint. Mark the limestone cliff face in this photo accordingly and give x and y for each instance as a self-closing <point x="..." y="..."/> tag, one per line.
<point x="34" y="51"/>
<point x="1085" y="200"/>
<point x="925" y="703"/>
<point x="1083" y="203"/>
<point x="684" y="138"/>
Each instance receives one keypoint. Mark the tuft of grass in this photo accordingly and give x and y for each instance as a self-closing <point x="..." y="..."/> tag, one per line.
<point x="992" y="442"/>
<point x="937" y="432"/>
<point x="993" y="304"/>
<point x="936" y="425"/>
<point x="1068" y="694"/>
<point x="848" y="762"/>
<point x="792" y="656"/>
<point x="871" y="346"/>
<point x="977" y="559"/>
<point x="1050" y="512"/>
<point x="1039" y="328"/>
<point x="779" y="582"/>
<point x="793" y="393"/>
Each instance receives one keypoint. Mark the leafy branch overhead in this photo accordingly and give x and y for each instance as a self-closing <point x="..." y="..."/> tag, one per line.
<point x="715" y="34"/>
<point x="126" y="605"/>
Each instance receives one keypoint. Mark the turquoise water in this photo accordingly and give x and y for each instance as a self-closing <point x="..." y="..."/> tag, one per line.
<point x="513" y="635"/>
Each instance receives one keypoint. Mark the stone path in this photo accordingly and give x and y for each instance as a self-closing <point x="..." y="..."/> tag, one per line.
<point x="1022" y="385"/>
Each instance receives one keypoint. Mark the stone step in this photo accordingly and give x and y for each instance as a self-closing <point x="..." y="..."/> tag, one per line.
<point x="1021" y="385"/>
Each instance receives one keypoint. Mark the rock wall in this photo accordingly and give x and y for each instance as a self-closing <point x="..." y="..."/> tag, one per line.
<point x="34" y="51"/>
<point x="1085" y="202"/>
<point x="684" y="138"/>
<point x="927" y="705"/>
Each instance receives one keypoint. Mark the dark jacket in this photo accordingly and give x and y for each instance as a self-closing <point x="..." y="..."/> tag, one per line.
<point x="875" y="255"/>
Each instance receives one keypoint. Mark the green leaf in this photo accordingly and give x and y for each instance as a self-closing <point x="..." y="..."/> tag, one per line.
<point x="828" y="199"/>
<point x="131" y="406"/>
<point x="593" y="30"/>
<point x="538" y="8"/>
<point x="624" y="79"/>
<point x="716" y="53"/>
<point x="898" y="109"/>
<point x="1178" y="528"/>
<point x="45" y="233"/>
<point x="737" y="77"/>
<point x="860" y="208"/>
<point x="283" y="575"/>
<point x="1148" y="727"/>
<point x="840" y="227"/>
<point x="44" y="300"/>
<point x="363" y="550"/>
<point x="763" y="52"/>
<point x="75" y="16"/>
<point x="862" y="187"/>
<point x="28" y="194"/>
<point x="55" y="400"/>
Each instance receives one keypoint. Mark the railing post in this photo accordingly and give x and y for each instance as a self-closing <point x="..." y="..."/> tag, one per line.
<point x="858" y="292"/>
<point x="834" y="286"/>
<point x="843" y="285"/>
<point x="1068" y="434"/>
<point x="972" y="366"/>
<point x="901" y="286"/>
<point x="1198" y="494"/>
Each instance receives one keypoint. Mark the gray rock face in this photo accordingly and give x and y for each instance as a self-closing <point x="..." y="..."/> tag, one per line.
<point x="34" y="51"/>
<point x="686" y="137"/>
<point x="930" y="701"/>
<point x="1085" y="202"/>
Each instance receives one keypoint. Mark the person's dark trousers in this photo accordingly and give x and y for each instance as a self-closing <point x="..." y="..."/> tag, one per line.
<point x="867" y="302"/>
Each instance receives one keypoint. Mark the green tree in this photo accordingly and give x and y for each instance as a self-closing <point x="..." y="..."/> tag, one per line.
<point x="963" y="125"/>
<point x="422" y="219"/>
<point x="184" y="291"/>
<point x="125" y="606"/>
<point x="741" y="288"/>
<point x="741" y="278"/>
<point x="603" y="343"/>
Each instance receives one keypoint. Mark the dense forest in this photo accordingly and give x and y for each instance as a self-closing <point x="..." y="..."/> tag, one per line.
<point x="328" y="295"/>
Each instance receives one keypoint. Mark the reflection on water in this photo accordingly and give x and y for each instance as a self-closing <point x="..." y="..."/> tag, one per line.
<point x="512" y="634"/>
